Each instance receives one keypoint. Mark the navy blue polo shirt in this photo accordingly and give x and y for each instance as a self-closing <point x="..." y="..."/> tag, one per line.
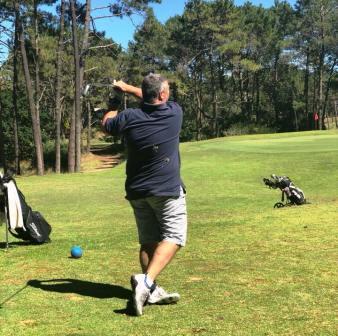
<point x="152" y="137"/>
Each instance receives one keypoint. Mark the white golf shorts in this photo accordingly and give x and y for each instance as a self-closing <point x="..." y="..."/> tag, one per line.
<point x="161" y="218"/>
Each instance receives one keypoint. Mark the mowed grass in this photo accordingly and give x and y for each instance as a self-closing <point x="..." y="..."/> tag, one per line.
<point x="248" y="269"/>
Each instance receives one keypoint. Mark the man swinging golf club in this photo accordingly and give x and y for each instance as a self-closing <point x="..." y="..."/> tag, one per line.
<point x="153" y="184"/>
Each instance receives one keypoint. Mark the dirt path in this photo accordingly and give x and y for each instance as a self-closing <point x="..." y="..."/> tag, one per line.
<point x="102" y="157"/>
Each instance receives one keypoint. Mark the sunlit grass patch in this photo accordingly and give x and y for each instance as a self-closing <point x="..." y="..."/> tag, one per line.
<point x="247" y="269"/>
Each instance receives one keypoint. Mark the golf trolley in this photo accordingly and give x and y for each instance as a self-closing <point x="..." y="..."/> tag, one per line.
<point x="294" y="195"/>
<point x="20" y="220"/>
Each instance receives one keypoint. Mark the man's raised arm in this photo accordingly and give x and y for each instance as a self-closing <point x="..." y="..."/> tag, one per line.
<point x="124" y="87"/>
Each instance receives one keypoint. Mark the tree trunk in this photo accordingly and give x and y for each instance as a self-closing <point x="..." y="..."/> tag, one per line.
<point x="328" y="86"/>
<point x="37" y="60"/>
<point x="321" y="69"/>
<point x="198" y="105"/>
<point x="241" y="91"/>
<point x="77" y="96"/>
<point x="213" y="96"/>
<point x="257" y="88"/>
<point x="3" y="162"/>
<point x="125" y="101"/>
<point x="295" y="116"/>
<point x="82" y="66"/>
<point x="35" y="119"/>
<point x="71" y="142"/>
<point x="320" y="97"/>
<point x="314" y="104"/>
<point x="15" y="95"/>
<point x="85" y="43"/>
<point x="58" y="92"/>
<point x="89" y="127"/>
<point x="275" y="90"/>
<point x="306" y="88"/>
<point x="199" y="116"/>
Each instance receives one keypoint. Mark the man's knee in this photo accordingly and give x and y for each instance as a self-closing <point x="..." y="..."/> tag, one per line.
<point x="149" y="247"/>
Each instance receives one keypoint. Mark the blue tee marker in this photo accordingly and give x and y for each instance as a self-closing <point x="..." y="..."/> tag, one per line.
<point x="76" y="252"/>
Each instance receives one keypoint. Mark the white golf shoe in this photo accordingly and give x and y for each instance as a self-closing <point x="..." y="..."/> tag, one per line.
<point x="141" y="292"/>
<point x="160" y="296"/>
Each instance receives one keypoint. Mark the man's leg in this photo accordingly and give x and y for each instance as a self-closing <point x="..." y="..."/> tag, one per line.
<point x="146" y="255"/>
<point x="149" y="236"/>
<point x="171" y="214"/>
<point x="172" y="218"/>
<point x="162" y="256"/>
<point x="153" y="259"/>
<point x="171" y="225"/>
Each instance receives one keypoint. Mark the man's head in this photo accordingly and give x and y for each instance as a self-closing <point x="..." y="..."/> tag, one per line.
<point x="155" y="89"/>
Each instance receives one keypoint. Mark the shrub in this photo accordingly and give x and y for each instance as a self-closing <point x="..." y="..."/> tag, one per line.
<point x="242" y="129"/>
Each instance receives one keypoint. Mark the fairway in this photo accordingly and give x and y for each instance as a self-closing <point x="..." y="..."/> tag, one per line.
<point x="247" y="269"/>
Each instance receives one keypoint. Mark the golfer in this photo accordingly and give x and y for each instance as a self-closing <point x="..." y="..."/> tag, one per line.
<point x="153" y="184"/>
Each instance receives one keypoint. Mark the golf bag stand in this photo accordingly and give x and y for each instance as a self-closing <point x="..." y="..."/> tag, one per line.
<point x="3" y="208"/>
<point x="7" y="225"/>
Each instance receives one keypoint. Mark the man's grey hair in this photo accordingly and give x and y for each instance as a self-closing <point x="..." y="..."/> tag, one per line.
<point x="152" y="85"/>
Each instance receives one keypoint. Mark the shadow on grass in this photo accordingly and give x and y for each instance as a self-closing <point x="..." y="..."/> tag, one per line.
<point x="86" y="288"/>
<point x="12" y="244"/>
<point x="3" y="245"/>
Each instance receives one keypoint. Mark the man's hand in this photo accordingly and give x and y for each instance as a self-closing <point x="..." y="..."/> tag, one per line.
<point x="120" y="85"/>
<point x="124" y="87"/>
<point x="108" y="115"/>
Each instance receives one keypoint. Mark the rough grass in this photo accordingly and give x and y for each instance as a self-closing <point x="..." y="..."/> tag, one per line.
<point x="248" y="269"/>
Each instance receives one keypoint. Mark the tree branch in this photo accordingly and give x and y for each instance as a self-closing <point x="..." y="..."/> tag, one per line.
<point x="103" y="46"/>
<point x="127" y="12"/>
<point x="106" y="16"/>
<point x="4" y="28"/>
<point x="5" y="44"/>
<point x="91" y="69"/>
<point x="99" y="8"/>
<point x="44" y="88"/>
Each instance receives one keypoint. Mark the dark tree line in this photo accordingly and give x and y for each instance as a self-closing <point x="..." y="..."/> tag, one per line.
<point x="234" y="69"/>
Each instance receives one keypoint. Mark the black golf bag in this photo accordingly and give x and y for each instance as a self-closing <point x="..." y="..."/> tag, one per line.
<point x="22" y="222"/>
<point x="293" y="194"/>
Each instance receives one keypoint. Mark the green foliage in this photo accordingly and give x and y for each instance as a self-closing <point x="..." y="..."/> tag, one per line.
<point x="128" y="7"/>
<point x="25" y="131"/>
<point x="147" y="52"/>
<point x="49" y="154"/>
<point x="245" y="128"/>
<point x="227" y="65"/>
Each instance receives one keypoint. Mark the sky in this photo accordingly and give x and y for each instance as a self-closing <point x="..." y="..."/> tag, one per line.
<point x="122" y="30"/>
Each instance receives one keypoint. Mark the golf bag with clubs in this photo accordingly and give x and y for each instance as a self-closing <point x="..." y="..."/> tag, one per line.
<point x="294" y="195"/>
<point x="21" y="221"/>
